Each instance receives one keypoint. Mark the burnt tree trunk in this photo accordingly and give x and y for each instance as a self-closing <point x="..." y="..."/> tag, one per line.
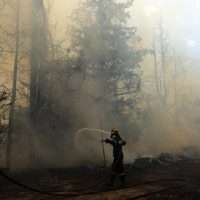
<point x="39" y="52"/>
<point x="14" y="86"/>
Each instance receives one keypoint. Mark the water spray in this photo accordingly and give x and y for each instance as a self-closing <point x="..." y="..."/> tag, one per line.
<point x="93" y="130"/>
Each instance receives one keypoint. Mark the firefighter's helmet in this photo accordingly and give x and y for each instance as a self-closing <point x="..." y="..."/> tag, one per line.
<point x="114" y="133"/>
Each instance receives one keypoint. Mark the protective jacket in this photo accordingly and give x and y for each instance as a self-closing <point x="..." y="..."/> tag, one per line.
<point x="117" y="143"/>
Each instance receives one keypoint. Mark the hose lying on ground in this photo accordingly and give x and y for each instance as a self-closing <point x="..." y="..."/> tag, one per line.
<point x="73" y="194"/>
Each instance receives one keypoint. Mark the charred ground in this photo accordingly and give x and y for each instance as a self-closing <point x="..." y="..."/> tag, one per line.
<point x="160" y="178"/>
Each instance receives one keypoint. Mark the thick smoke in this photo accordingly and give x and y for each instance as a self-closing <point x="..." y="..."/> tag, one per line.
<point x="61" y="138"/>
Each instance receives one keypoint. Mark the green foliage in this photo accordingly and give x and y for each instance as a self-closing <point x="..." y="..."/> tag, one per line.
<point x="98" y="82"/>
<point x="103" y="38"/>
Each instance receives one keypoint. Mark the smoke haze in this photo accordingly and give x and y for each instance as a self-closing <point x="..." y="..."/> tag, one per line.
<point x="166" y="113"/>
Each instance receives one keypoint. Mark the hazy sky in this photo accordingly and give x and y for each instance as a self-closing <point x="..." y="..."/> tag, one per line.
<point x="180" y="18"/>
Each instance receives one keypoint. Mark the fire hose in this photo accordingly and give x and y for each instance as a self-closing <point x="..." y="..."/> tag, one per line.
<point x="71" y="194"/>
<point x="76" y="194"/>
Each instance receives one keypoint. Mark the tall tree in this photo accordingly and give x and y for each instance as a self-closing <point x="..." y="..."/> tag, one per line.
<point x="160" y="54"/>
<point x="14" y="85"/>
<point x="39" y="52"/>
<point x="104" y="40"/>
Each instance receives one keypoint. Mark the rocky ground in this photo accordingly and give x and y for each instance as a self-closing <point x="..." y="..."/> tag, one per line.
<point x="147" y="178"/>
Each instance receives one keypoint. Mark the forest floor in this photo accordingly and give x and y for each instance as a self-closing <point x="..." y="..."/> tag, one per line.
<point x="173" y="180"/>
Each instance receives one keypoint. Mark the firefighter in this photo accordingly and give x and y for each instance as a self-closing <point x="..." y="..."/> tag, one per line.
<point x="117" y="166"/>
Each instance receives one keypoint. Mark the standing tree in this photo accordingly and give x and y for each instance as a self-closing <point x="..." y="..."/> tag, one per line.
<point x="160" y="54"/>
<point x="103" y="39"/>
<point x="39" y="53"/>
<point x="14" y="85"/>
